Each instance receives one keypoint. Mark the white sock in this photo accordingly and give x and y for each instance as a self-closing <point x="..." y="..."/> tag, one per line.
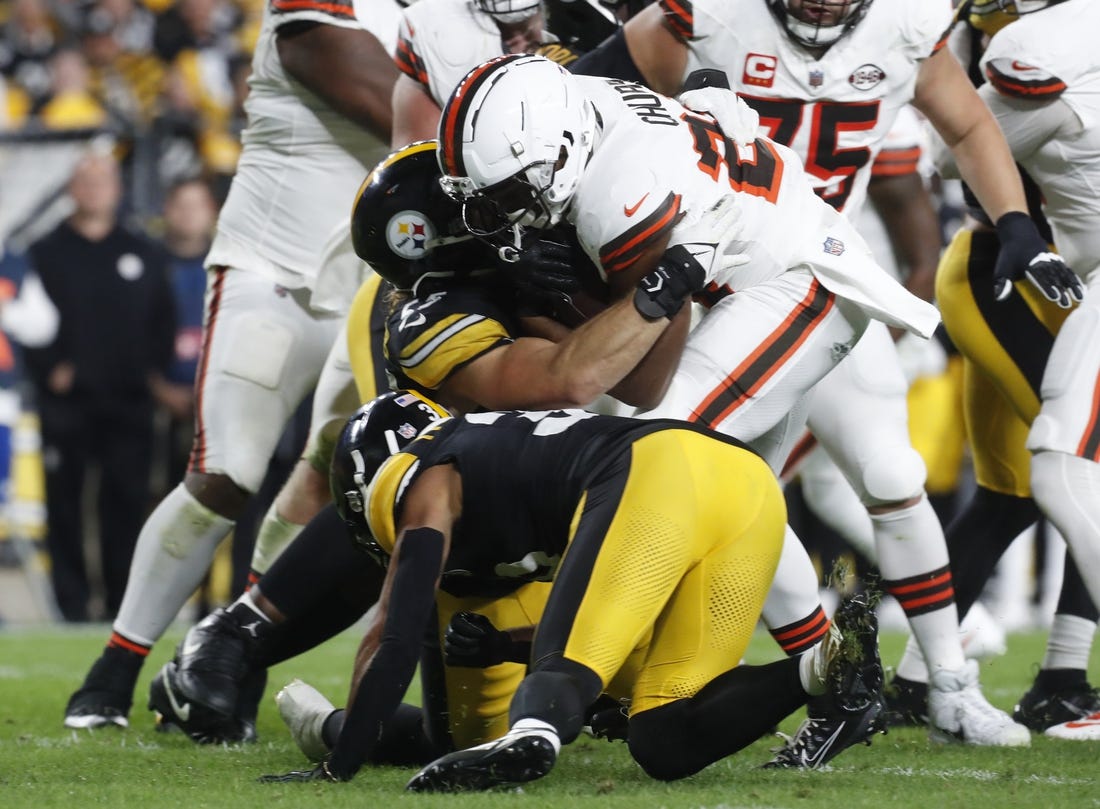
<point x="1067" y="488"/>
<point x="912" y="665"/>
<point x="811" y="671"/>
<point x="793" y="595"/>
<point x="173" y="553"/>
<point x="271" y="540"/>
<point x="910" y="541"/>
<point x="544" y="729"/>
<point x="1069" y="642"/>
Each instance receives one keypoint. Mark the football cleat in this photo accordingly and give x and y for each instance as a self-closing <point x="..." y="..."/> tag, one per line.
<point x="515" y="758"/>
<point x="203" y="725"/>
<point x="1084" y="729"/>
<point x="958" y="711"/>
<point x="852" y="709"/>
<point x="304" y="709"/>
<point x="105" y="697"/>
<point x="212" y="662"/>
<point x="906" y="703"/>
<point x="1040" y="708"/>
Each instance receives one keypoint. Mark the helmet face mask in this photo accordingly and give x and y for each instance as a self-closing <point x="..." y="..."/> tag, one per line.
<point x="382" y="427"/>
<point x="818" y="23"/>
<point x="509" y="11"/>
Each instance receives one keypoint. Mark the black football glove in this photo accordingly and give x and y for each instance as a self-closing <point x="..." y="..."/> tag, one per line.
<point x="541" y="271"/>
<point x="319" y="773"/>
<point x="1024" y="254"/>
<point x="471" y="641"/>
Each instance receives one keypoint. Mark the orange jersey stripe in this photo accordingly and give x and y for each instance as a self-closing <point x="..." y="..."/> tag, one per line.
<point x="1090" y="441"/>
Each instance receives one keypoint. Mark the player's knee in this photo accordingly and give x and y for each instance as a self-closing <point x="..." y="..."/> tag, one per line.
<point x="893" y="477"/>
<point x="659" y="740"/>
<point x="217" y="492"/>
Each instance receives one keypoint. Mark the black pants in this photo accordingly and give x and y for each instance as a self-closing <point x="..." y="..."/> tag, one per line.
<point x="116" y="437"/>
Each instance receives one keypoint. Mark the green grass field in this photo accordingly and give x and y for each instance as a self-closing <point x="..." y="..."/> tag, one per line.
<point x="43" y="765"/>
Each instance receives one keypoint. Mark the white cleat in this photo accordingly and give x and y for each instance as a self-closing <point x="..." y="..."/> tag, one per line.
<point x="959" y="712"/>
<point x="1085" y="729"/>
<point x="304" y="709"/>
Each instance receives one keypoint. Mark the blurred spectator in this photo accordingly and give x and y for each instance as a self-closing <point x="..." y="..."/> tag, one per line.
<point x="71" y="103"/>
<point x="93" y="382"/>
<point x="189" y="215"/>
<point x="27" y="41"/>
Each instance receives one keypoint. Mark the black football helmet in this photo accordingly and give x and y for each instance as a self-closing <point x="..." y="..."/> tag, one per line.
<point x="380" y="428"/>
<point x="807" y="29"/>
<point x="405" y="227"/>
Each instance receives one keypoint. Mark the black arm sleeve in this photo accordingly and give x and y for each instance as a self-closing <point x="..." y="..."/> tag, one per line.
<point x="394" y="664"/>
<point x="612" y="59"/>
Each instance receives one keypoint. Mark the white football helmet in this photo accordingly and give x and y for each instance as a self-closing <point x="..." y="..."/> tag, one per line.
<point x="509" y="11"/>
<point x="514" y="139"/>
<point x="818" y="23"/>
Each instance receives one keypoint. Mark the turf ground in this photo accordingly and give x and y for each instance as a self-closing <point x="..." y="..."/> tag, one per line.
<point x="42" y="765"/>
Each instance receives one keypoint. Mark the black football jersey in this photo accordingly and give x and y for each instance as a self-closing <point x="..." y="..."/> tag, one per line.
<point x="439" y="331"/>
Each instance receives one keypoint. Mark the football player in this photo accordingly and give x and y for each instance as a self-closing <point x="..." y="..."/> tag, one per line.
<point x="503" y="498"/>
<point x="455" y="333"/>
<point x="319" y="109"/>
<point x="1018" y="346"/>
<point x="828" y="77"/>
<point x="802" y="302"/>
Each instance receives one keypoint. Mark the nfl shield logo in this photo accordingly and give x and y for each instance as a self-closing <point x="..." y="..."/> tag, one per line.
<point x="834" y="247"/>
<point x="406" y="431"/>
<point x="817" y="78"/>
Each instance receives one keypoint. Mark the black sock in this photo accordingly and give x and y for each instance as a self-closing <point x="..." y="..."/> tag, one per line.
<point x="978" y="537"/>
<point x="1061" y="679"/>
<point x="731" y="712"/>
<point x="1074" y="598"/>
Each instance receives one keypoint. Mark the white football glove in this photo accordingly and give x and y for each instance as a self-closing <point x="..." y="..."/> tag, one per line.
<point x="709" y="237"/>
<point x="739" y="121"/>
<point x="919" y="357"/>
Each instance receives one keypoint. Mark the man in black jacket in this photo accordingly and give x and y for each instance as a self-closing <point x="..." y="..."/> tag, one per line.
<point x="116" y="333"/>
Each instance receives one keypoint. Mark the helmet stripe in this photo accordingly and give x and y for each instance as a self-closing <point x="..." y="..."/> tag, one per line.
<point x="455" y="111"/>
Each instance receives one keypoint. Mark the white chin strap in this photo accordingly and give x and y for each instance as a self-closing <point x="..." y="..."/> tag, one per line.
<point x="814" y="34"/>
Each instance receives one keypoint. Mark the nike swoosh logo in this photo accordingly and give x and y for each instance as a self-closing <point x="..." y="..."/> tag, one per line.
<point x="182" y="711"/>
<point x="1022" y="67"/>
<point x="630" y="211"/>
<point x="190" y="648"/>
<point x="811" y="762"/>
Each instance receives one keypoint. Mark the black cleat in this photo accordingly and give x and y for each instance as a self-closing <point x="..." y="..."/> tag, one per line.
<point x="906" y="703"/>
<point x="212" y="662"/>
<point x="174" y="709"/>
<point x="1041" y="708"/>
<point x="106" y="695"/>
<point x="852" y="709"/>
<point x="516" y="758"/>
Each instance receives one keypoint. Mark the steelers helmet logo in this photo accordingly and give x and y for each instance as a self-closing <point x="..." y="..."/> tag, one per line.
<point x="408" y="234"/>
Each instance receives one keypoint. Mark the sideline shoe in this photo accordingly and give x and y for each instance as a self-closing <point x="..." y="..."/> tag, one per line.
<point x="1040" y="708"/>
<point x="852" y="709"/>
<point x="1085" y="729"/>
<point x="515" y="758"/>
<point x="105" y="697"/>
<point x="304" y="709"/>
<point x="958" y="711"/>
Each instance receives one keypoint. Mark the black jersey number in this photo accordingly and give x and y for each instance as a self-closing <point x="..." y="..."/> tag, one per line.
<point x="752" y="168"/>
<point x="824" y="160"/>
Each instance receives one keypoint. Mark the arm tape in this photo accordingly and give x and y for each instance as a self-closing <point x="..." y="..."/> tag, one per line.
<point x="411" y="605"/>
<point x="611" y="58"/>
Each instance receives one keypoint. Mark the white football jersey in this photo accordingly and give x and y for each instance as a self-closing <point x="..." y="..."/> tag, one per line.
<point x="302" y="162"/>
<point x="656" y="168"/>
<point x="440" y="40"/>
<point x="834" y="111"/>
<point x="1050" y="55"/>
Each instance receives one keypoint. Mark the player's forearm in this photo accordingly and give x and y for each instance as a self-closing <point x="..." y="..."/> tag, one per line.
<point x="987" y="166"/>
